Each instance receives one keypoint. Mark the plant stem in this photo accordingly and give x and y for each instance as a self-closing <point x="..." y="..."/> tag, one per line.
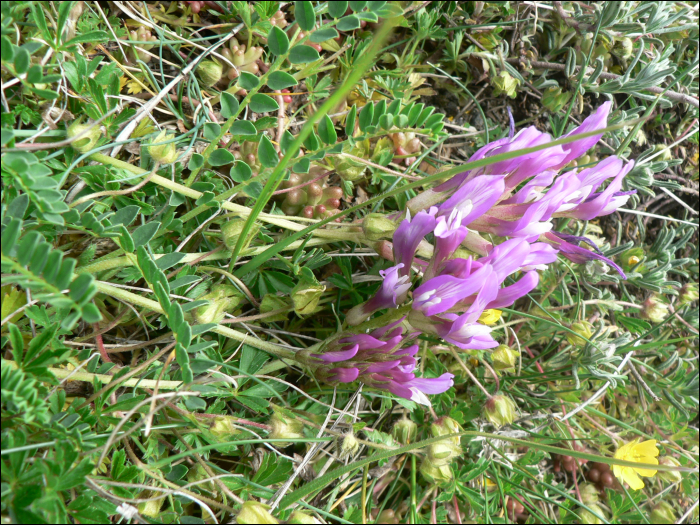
<point x="132" y="298"/>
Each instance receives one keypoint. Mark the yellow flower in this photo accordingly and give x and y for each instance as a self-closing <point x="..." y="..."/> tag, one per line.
<point x="490" y="317"/>
<point x="645" y="452"/>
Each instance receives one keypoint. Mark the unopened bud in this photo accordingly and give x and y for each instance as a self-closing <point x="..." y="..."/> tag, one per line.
<point x="349" y="445"/>
<point x="222" y="298"/>
<point x="500" y="410"/>
<point x="583" y="329"/>
<point x="89" y="135"/>
<point x="623" y="48"/>
<point x="150" y="509"/>
<point x="589" y="493"/>
<point x="663" y="513"/>
<point x="306" y="295"/>
<point x="688" y="294"/>
<point x="271" y="303"/>
<point x="284" y="427"/>
<point x="163" y="153"/>
<point x="255" y="513"/>
<point x="504" y="358"/>
<point x="438" y="474"/>
<point x="490" y="317"/>
<point x="588" y="518"/>
<point x="210" y="72"/>
<point x="231" y="232"/>
<point x="404" y="431"/>
<point x="301" y="518"/>
<point x="503" y="83"/>
<point x="222" y="428"/>
<point x="377" y="227"/>
<point x="654" y="309"/>
<point x="670" y="476"/>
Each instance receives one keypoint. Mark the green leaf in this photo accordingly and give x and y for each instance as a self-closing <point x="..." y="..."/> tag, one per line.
<point x="323" y="34"/>
<point x="90" y="313"/>
<point x="241" y="172"/>
<point x="34" y="75"/>
<point x="348" y="23"/>
<point x="211" y="131"/>
<point x="184" y="361"/>
<point x="260" y="103"/>
<point x="357" y="6"/>
<point x="386" y="121"/>
<point x="22" y="61"/>
<point x="82" y="288"/>
<point x="248" y="80"/>
<point x="312" y="143"/>
<point x="64" y="9"/>
<point x="196" y="161"/>
<point x="10" y="236"/>
<point x="277" y="41"/>
<point x="229" y="105"/>
<point x="125" y="239"/>
<point x="376" y="5"/>
<point x="637" y="326"/>
<point x="366" y="116"/>
<point x="350" y="121"/>
<point x="220" y="157"/>
<point x="266" y="153"/>
<point x="326" y="130"/>
<point x="169" y="260"/>
<point x="243" y="127"/>
<point x="17" y="206"/>
<point x="92" y="36"/>
<point x="302" y="166"/>
<point x="337" y="9"/>
<point x="280" y="80"/>
<point x="75" y="476"/>
<point x="303" y="54"/>
<point x="7" y="50"/>
<point x="304" y="15"/>
<point x="379" y="110"/>
<point x="145" y="233"/>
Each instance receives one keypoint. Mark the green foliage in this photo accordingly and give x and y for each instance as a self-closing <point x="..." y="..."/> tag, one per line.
<point x="152" y="313"/>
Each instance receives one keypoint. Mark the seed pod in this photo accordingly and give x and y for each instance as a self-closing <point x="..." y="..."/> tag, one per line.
<point x="404" y="431"/>
<point x="163" y="153"/>
<point x="377" y="226"/>
<point x="255" y="513"/>
<point x="500" y="410"/>
<point x="89" y="135"/>
<point x="210" y="72"/>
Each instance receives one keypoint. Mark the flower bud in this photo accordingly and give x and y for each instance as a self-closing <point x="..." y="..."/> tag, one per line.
<point x="503" y="83"/>
<point x="150" y="509"/>
<point x="582" y="328"/>
<point x="377" y="226"/>
<point x="306" y="295"/>
<point x="404" y="431"/>
<point x="663" y="513"/>
<point x="284" y="427"/>
<point x="554" y="99"/>
<point x="499" y="410"/>
<point x="504" y="358"/>
<point x="349" y="445"/>
<point x="588" y="517"/>
<point x="589" y="493"/>
<point x="443" y="452"/>
<point x="272" y="302"/>
<point x="670" y="476"/>
<point x="490" y="317"/>
<point x="222" y="298"/>
<point x="232" y="230"/>
<point x="654" y="309"/>
<point x="301" y="518"/>
<point x="438" y="474"/>
<point x="163" y="153"/>
<point x="254" y="513"/>
<point x="210" y="72"/>
<point x="688" y="294"/>
<point x="89" y="135"/>
<point x="222" y="428"/>
<point x="623" y="48"/>
<point x="631" y="258"/>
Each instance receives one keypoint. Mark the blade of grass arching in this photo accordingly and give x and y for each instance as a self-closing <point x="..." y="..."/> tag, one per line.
<point x="276" y="177"/>
<point x="582" y="73"/>
<point x="272" y="250"/>
<point x="322" y="482"/>
<point x="481" y="110"/>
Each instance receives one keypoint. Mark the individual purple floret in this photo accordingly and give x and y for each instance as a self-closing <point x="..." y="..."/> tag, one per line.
<point x="390" y="294"/>
<point x="569" y="248"/>
<point x="408" y="236"/>
<point x="378" y="360"/>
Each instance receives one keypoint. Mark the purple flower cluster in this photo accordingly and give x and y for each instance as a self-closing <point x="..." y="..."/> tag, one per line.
<point x="517" y="199"/>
